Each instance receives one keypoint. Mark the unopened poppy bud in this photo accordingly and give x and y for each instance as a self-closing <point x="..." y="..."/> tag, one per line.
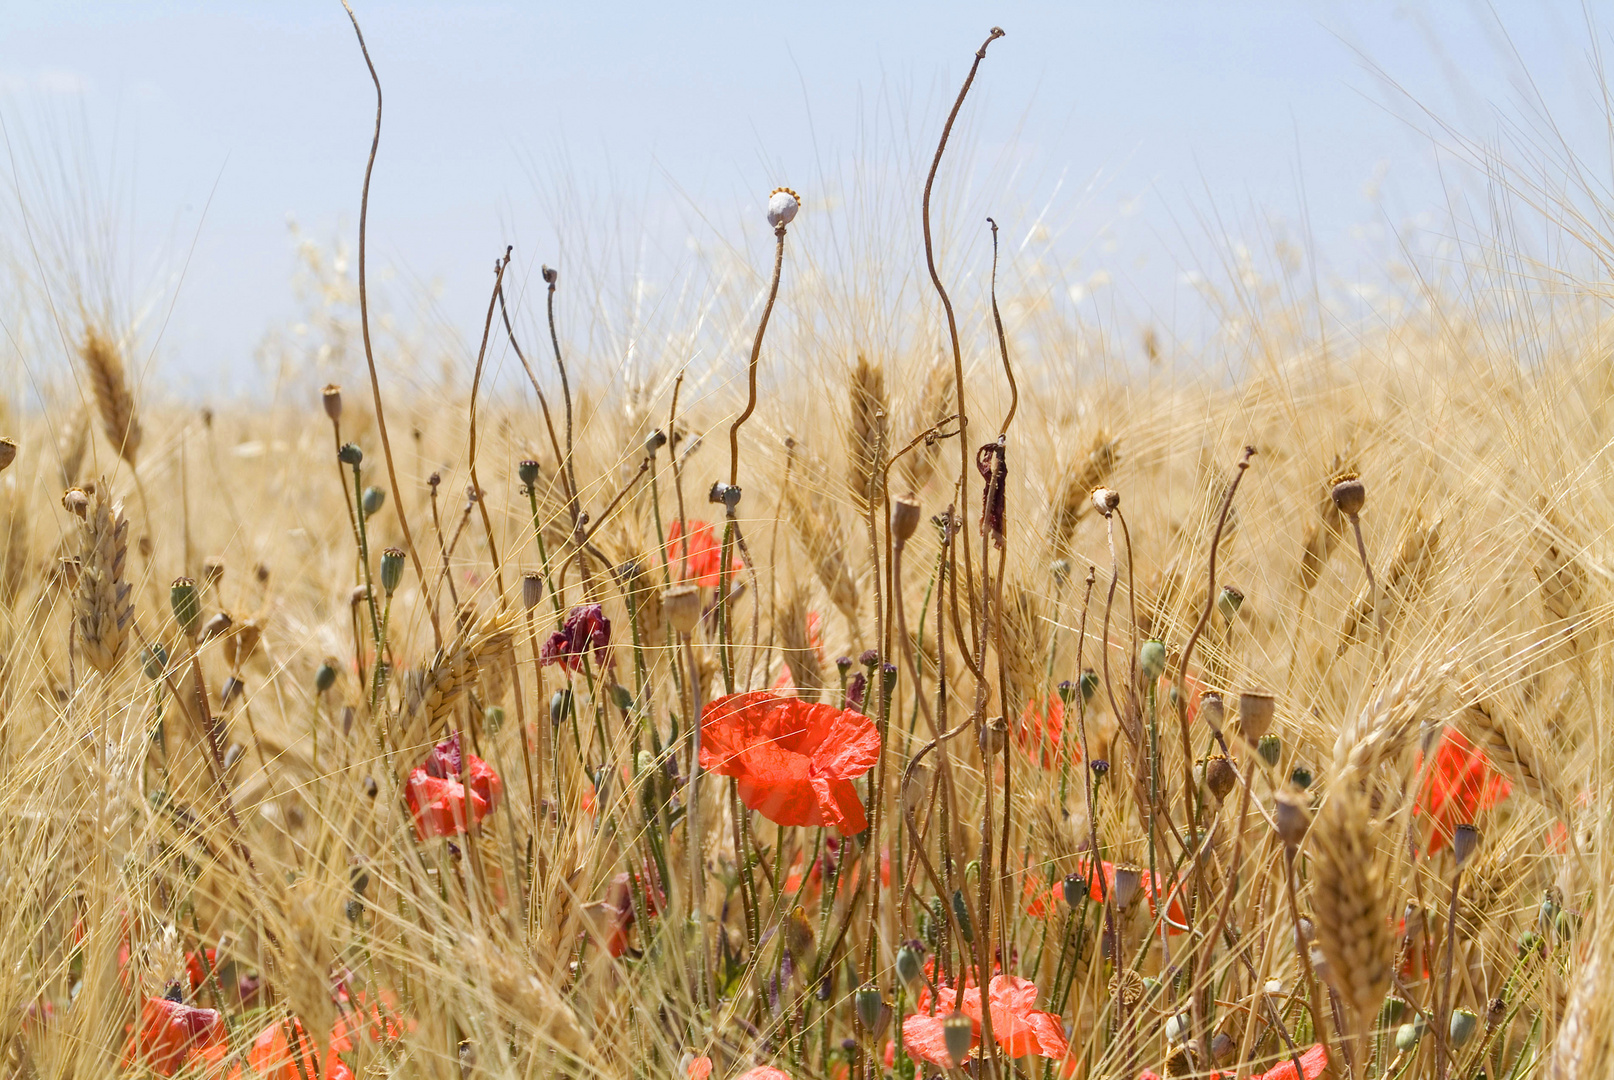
<point x="994" y="735"/>
<point x="331" y="398"/>
<point x="1212" y="711"/>
<point x="8" y="453"/>
<point x="1255" y="714"/>
<point x="958" y="1032"/>
<point x="1465" y="838"/>
<point x="493" y="718"/>
<point x="1270" y="748"/>
<point x="782" y="207"/>
<point x="532" y="589"/>
<point x="1463" y="1026"/>
<point x="324" y="677"/>
<point x="392" y="568"/>
<point x="1301" y="778"/>
<point x="1408" y="1035"/>
<point x="373" y="499"/>
<point x="867" y="1001"/>
<point x="560" y="703"/>
<point x="1229" y="601"/>
<point x="551" y="276"/>
<point x="154" y="660"/>
<point x="961" y="912"/>
<point x="904" y="518"/>
<point x="1128" y="880"/>
<point x="798" y="933"/>
<point x="681" y="604"/>
<point x="527" y="472"/>
<point x="186" y="602"/>
<point x="350" y="454"/>
<point x="868" y="658"/>
<point x="1077" y="891"/>
<point x="655" y="441"/>
<point x="1152" y="659"/>
<point x="1293" y="817"/>
<point x="218" y="624"/>
<point x="888" y="678"/>
<point x="76" y="502"/>
<point x="1106" y="500"/>
<point x="1219" y="776"/>
<point x="1100" y="767"/>
<point x="1348" y="493"/>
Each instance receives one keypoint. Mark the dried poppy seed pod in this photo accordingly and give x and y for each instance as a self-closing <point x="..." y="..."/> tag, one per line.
<point x="218" y="624"/>
<point x="76" y="502"/>
<point x="374" y="499"/>
<point x="783" y="205"/>
<point x="1152" y="659"/>
<point x="1348" y="494"/>
<point x="350" y="454"/>
<point x="654" y="441"/>
<point x="532" y="589"/>
<point x="8" y="453"/>
<point x="994" y="736"/>
<point x="1465" y="840"/>
<point x="392" y="568"/>
<point x="682" y="606"/>
<point x="331" y="398"/>
<point x="186" y="602"/>
<point x="1212" y="711"/>
<point x="1255" y="714"/>
<point x="527" y="472"/>
<point x="1463" y="1026"/>
<point x="905" y="514"/>
<point x="1219" y="776"/>
<point x="324" y="677"/>
<point x="212" y="571"/>
<point x="1293" y="817"/>
<point x="1128" y="880"/>
<point x="1228" y="602"/>
<point x="1106" y="500"/>
<point x="958" y="1032"/>
<point x="551" y="276"/>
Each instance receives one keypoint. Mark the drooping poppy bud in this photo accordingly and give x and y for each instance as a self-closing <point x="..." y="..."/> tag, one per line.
<point x="324" y="677"/>
<point x="373" y="500"/>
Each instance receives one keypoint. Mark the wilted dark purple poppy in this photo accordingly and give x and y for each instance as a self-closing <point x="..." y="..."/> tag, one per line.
<point x="992" y="461"/>
<point x="585" y="627"/>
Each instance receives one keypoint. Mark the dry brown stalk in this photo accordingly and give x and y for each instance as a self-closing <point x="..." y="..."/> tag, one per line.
<point x="103" y="604"/>
<point x="1351" y="894"/>
<point x="113" y="396"/>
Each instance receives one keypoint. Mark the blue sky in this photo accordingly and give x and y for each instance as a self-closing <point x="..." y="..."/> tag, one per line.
<point x="1156" y="132"/>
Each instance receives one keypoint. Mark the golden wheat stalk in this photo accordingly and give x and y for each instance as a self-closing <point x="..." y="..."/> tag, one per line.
<point x="1351" y="895"/>
<point x="1074" y="500"/>
<point x="866" y="394"/>
<point x="1510" y="750"/>
<point x="103" y="603"/>
<point x="113" y="396"/>
<point x="1416" y="560"/>
<point x="458" y="662"/>
<point x="1388" y="725"/>
<point x="796" y="646"/>
<point x="933" y="402"/>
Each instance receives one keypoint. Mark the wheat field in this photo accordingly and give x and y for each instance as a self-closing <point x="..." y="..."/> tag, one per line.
<point x="1233" y="714"/>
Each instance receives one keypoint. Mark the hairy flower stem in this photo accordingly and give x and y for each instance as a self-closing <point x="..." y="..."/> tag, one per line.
<point x="692" y="827"/>
<point x="756" y="353"/>
<point x="364" y="558"/>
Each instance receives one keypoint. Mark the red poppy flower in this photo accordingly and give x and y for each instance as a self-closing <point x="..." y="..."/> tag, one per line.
<point x="795" y="761"/>
<point x="168" y="1032"/>
<point x="1176" y="917"/>
<point x="585" y="628"/>
<point x="380" y="1021"/>
<point x="1459" y="784"/>
<point x="439" y="801"/>
<point x="1018" y="1026"/>
<point x="196" y="970"/>
<point x="283" y="1051"/>
<point x="1041" y="731"/>
<point x="765" y="1072"/>
<point x="700" y="1068"/>
<point x="705" y="554"/>
<point x="619" y="905"/>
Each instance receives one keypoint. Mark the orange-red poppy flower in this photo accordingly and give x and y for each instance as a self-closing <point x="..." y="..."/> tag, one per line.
<point x="1176" y="917"/>
<point x="699" y="1067"/>
<point x="283" y="1051"/>
<point x="765" y="1072"/>
<point x="1041" y="732"/>
<point x="705" y="554"/>
<point x="620" y="906"/>
<point x="1459" y="784"/>
<point x="1018" y="1026"/>
<point x="168" y="1032"/>
<point x="794" y="761"/>
<point x="197" y="966"/>
<point x="441" y="805"/>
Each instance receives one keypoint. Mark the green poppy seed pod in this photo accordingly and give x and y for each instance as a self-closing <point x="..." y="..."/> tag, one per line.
<point x="350" y="454"/>
<point x="1100" y="767"/>
<point x="8" y="453"/>
<point x="392" y="568"/>
<point x="1394" y="1010"/>
<point x="1228" y="602"/>
<point x="1348" y="493"/>
<point x="843" y="664"/>
<point x="186" y="601"/>
<point x="1566" y="925"/>
<point x="1128" y="880"/>
<point x="560" y="703"/>
<point x="904" y="518"/>
<point x="1270" y="748"/>
<point x="1408" y="1035"/>
<point x="1255" y="714"/>
<point x="154" y="659"/>
<point x="532" y="589"/>
<point x="1067" y="693"/>
<point x="493" y="718"/>
<point x="1465" y="839"/>
<point x="962" y="912"/>
<point x="324" y="677"/>
<point x="1152" y="659"/>
<point x="1213" y="711"/>
<point x="867" y="1001"/>
<point x="888" y="677"/>
<point x="910" y="966"/>
<point x="1076" y="891"/>
<point x="681" y="604"/>
<point x="1219" y="776"/>
<point x="1301" y="778"/>
<point x="1547" y="917"/>
<point x="621" y="697"/>
<point x="373" y="499"/>
<point x="1149" y="987"/>
<point x="331" y="398"/>
<point x="958" y="1032"/>
<point x="1089" y="684"/>
<point x="1293" y="817"/>
<point x="1463" y="1026"/>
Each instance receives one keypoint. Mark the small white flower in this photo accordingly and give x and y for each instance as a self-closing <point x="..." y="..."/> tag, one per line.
<point x="782" y="206"/>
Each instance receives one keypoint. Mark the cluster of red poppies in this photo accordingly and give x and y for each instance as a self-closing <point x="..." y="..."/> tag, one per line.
<point x="450" y="792"/>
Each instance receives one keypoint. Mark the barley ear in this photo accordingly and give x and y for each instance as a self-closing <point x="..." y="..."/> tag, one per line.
<point x="103" y="603"/>
<point x="1351" y="893"/>
<point x="113" y="397"/>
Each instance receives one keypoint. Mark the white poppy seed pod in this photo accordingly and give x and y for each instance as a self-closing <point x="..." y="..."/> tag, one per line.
<point x="76" y="502"/>
<point x="1465" y="839"/>
<point x="1219" y="776"/>
<point x="1177" y="1027"/>
<point x="682" y="606"/>
<point x="1106" y="500"/>
<point x="1128" y="880"/>
<point x="1213" y="711"/>
<point x="782" y="207"/>
<point x="1255" y="714"/>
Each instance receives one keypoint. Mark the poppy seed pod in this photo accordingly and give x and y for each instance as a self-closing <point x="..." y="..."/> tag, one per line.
<point x="560" y="703"/>
<point x="1106" y="500"/>
<point x="1100" y="767"/>
<point x="1465" y="839"/>
<point x="392" y="567"/>
<point x="1463" y="1026"/>
<point x="1219" y="776"/>
<point x="1076" y="891"/>
<point x="843" y="664"/>
<point x="782" y="207"/>
<point x="527" y="471"/>
<point x="532" y="589"/>
<point x="910" y="963"/>
<point x="154" y="660"/>
<point x="1212" y="711"/>
<point x="76" y="502"/>
<point x="994" y="735"/>
<point x="1089" y="684"/>
<point x="1348" y="493"/>
<point x="8" y="453"/>
<point x="1255" y="714"/>
<point x="905" y="515"/>
<point x="958" y="1031"/>
<point x="868" y="1003"/>
<point x="212" y="571"/>
<point x="655" y="441"/>
<point x="350" y="454"/>
<point x="1408" y="1035"/>
<point x="1228" y="602"/>
<point x="551" y="276"/>
<point x="324" y="677"/>
<point x="331" y="398"/>
<point x="1270" y="748"/>
<point x="493" y="719"/>
<point x="1293" y="817"/>
<point x="1301" y="778"/>
<point x="218" y="624"/>
<point x="961" y="912"/>
<point x="374" y="497"/>
<point x="727" y="495"/>
<point x="1152" y="659"/>
<point x="1128" y="880"/>
<point x="186" y="602"/>
<point x="682" y="606"/>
